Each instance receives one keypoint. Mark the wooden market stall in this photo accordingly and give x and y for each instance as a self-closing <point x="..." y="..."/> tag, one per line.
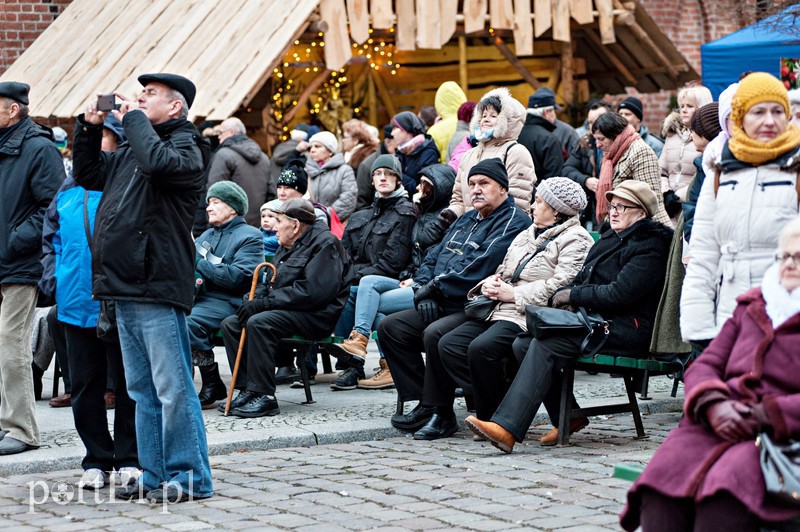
<point x="273" y="63"/>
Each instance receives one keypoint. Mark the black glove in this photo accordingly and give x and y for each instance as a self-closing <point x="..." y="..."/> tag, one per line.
<point x="428" y="311"/>
<point x="424" y="292"/>
<point x="447" y="217"/>
<point x="672" y="203"/>
<point x="250" y="308"/>
<point x="262" y="290"/>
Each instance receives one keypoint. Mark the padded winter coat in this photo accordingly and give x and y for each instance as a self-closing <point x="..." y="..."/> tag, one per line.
<point x="333" y="184"/>
<point x="449" y="98"/>
<point x="734" y="238"/>
<point x="240" y="159"/>
<point x="555" y="266"/>
<point x="677" y="162"/>
<point x="503" y="145"/>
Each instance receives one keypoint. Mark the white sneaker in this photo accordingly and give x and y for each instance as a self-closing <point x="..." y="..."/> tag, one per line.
<point x="125" y="476"/>
<point x="92" y="479"/>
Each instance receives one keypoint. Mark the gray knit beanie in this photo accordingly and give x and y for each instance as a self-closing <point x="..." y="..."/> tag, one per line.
<point x="563" y="194"/>
<point x="391" y="163"/>
<point x="230" y="193"/>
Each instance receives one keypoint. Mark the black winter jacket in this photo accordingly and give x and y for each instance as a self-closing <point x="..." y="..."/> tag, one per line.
<point x="584" y="162"/>
<point x="429" y="229"/>
<point x="471" y="250"/>
<point x="31" y="172"/>
<point x="537" y="135"/>
<point x="378" y="238"/>
<point x="622" y="280"/>
<point x="143" y="249"/>
<point x="426" y="154"/>
<point x="313" y="276"/>
<point x="240" y="159"/>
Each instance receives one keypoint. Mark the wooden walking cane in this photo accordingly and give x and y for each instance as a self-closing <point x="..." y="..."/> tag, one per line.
<point x="244" y="330"/>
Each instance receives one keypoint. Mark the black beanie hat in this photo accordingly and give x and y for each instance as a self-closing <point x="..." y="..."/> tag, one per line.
<point x="294" y="176"/>
<point x="492" y="168"/>
<point x="633" y="105"/>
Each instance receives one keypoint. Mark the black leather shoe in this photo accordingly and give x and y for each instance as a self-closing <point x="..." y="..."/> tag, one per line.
<point x="414" y="420"/>
<point x="170" y="493"/>
<point x="286" y="375"/>
<point x="438" y="427"/>
<point x="9" y="445"/>
<point x="131" y="492"/>
<point x="259" y="406"/>
<point x="240" y="400"/>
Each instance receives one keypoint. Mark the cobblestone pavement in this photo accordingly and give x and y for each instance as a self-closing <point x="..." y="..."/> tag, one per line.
<point x="396" y="483"/>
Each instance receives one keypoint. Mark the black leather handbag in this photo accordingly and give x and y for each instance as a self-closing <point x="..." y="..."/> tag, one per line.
<point x="544" y="322"/>
<point x="780" y="464"/>
<point x="479" y="308"/>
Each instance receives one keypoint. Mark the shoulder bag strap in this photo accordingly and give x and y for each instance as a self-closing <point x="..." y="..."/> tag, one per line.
<point x="86" y="219"/>
<point x="518" y="271"/>
<point x="505" y="156"/>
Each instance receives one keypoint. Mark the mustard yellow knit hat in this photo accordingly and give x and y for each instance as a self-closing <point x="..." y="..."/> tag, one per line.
<point x="756" y="88"/>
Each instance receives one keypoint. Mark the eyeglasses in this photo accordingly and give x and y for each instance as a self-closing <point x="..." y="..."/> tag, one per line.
<point x="620" y="208"/>
<point x="794" y="258"/>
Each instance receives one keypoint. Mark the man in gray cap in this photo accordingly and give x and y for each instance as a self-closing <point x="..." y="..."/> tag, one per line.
<point x="143" y="260"/>
<point x="565" y="133"/>
<point x="31" y="172"/>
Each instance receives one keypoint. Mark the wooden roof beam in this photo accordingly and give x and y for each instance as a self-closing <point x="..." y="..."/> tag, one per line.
<point x="516" y="63"/>
<point x="608" y="54"/>
<point x="642" y="35"/>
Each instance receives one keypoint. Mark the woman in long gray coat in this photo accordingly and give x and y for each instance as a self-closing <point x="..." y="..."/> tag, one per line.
<point x="332" y="181"/>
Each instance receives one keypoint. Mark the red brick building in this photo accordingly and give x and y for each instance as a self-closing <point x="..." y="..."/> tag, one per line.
<point x="688" y="23"/>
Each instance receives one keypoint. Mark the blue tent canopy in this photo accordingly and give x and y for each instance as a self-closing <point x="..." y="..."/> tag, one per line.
<point x="758" y="47"/>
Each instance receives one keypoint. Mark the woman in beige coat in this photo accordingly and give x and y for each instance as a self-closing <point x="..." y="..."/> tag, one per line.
<point x="496" y="122"/>
<point x="477" y="355"/>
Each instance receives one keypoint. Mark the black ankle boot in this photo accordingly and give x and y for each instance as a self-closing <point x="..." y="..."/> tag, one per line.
<point x="213" y="388"/>
<point x="38" y="373"/>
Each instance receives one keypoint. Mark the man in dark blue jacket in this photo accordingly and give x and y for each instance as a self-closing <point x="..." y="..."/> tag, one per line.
<point x="143" y="259"/>
<point x="472" y="249"/>
<point x="31" y="171"/>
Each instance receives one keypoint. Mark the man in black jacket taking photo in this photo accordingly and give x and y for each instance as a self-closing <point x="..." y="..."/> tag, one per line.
<point x="143" y="260"/>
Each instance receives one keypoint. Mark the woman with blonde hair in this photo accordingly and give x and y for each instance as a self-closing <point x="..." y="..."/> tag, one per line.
<point x="677" y="157"/>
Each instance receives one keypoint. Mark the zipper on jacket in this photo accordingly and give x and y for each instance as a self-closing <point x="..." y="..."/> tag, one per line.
<point x="731" y="182"/>
<point x="764" y="185"/>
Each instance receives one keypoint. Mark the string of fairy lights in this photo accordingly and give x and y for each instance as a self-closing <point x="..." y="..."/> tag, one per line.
<point x="305" y="60"/>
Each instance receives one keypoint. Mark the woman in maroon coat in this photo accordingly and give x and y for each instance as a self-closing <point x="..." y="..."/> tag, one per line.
<point x="706" y="475"/>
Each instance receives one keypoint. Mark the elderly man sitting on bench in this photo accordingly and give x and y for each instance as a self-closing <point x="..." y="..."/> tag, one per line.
<point x="306" y="299"/>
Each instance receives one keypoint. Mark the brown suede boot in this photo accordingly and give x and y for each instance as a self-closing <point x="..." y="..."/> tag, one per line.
<point x="380" y="381"/>
<point x="356" y="345"/>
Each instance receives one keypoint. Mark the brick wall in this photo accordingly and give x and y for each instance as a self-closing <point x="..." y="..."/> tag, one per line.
<point x="21" y="22"/>
<point x="689" y="24"/>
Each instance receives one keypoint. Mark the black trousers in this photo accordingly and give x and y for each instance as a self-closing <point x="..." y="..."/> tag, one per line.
<point x="477" y="357"/>
<point x="90" y="360"/>
<point x="56" y="329"/>
<point x="538" y="370"/>
<point x="264" y="332"/>
<point x="404" y="337"/>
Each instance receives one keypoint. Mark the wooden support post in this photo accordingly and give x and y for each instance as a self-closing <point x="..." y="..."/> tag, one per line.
<point x="605" y="20"/>
<point x="306" y="94"/>
<point x="516" y="63"/>
<point x="463" y="75"/>
<point x="372" y="101"/>
<point x="383" y="92"/>
<point x="567" y="71"/>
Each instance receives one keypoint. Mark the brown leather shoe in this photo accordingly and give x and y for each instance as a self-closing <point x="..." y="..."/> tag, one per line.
<point x="497" y="435"/>
<point x="575" y="425"/>
<point x="62" y="401"/>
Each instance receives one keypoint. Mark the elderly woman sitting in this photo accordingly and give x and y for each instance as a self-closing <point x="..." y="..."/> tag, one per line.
<point x="540" y="260"/>
<point x="744" y="383"/>
<point x="621" y="280"/>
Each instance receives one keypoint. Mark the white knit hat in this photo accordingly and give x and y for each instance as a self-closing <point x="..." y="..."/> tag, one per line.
<point x="327" y="139"/>
<point x="563" y="194"/>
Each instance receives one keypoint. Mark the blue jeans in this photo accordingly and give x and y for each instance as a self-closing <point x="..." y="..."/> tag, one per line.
<point x="373" y="299"/>
<point x="169" y="423"/>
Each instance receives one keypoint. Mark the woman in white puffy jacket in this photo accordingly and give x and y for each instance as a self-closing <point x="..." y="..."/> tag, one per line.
<point x="752" y="193"/>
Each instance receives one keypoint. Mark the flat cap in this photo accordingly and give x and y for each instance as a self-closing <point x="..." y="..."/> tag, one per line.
<point x="16" y="91"/>
<point x="173" y="81"/>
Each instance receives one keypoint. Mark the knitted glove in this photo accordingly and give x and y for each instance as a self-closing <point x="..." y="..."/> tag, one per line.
<point x="561" y="299"/>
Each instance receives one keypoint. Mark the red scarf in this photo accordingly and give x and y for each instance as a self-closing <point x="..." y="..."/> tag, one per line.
<point x="610" y="159"/>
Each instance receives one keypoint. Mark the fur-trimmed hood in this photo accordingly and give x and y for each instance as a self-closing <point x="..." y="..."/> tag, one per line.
<point x="672" y="125"/>
<point x="509" y="121"/>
